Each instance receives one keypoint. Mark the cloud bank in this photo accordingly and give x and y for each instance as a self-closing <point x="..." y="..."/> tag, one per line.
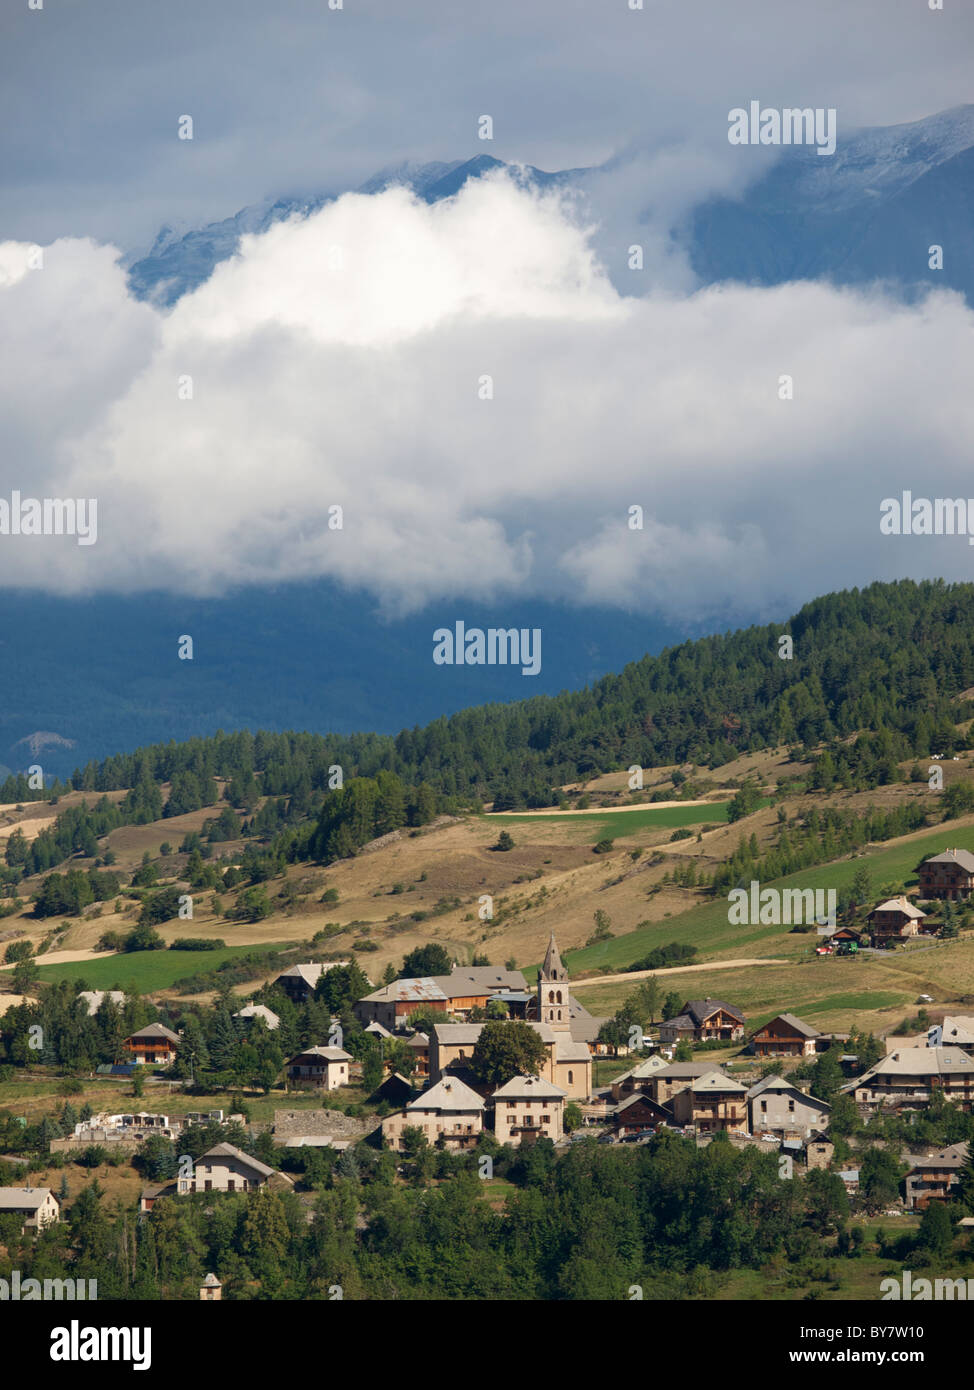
<point x="467" y="384"/>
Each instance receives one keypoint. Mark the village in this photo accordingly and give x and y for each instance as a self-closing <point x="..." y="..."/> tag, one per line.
<point x="784" y="1087"/>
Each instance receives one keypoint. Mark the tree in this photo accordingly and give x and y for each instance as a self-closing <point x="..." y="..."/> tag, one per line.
<point x="672" y="1005"/>
<point x="936" y="1234"/>
<point x="504" y="842"/>
<point x="572" y="1118"/>
<point x="431" y="959"/>
<point x="372" y="1071"/>
<point x="506" y="1050"/>
<point x="880" y="1173"/>
<point x="683" y="1051"/>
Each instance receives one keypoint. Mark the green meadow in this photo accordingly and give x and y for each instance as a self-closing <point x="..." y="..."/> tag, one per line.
<point x="146" y="970"/>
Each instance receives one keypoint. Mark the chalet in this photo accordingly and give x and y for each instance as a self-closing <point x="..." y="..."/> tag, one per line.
<point x="704" y="1020"/>
<point x="663" y="1085"/>
<point x="450" y="1114"/>
<point x="299" y="982"/>
<point x="637" y="1079"/>
<point x="225" y="1168"/>
<point x="712" y="1102"/>
<point x="260" y="1011"/>
<point x="933" y="1179"/>
<point x="323" y="1067"/>
<point x="778" y="1106"/>
<point x="637" y="1114"/>
<point x="785" y="1036"/>
<point x="910" y="1076"/>
<point x="211" y="1290"/>
<point x="528" y="1108"/>
<point x="36" y="1206"/>
<point x="947" y="875"/>
<point x="895" y="920"/>
<point x="152" y="1046"/>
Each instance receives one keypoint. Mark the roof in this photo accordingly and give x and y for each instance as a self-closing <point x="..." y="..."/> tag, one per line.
<point x="954" y="1156"/>
<point x="377" y="1029"/>
<point x="701" y="1009"/>
<point x="24" y="1198"/>
<point x="685" y="1071"/>
<point x="959" y="1029"/>
<point x="310" y="971"/>
<point x="94" y="998"/>
<point x="529" y="1088"/>
<point x="155" y="1030"/>
<point x="781" y="1083"/>
<point x="953" y="856"/>
<point x="717" y="1081"/>
<point x="419" y="991"/>
<point x="316" y="1141"/>
<point x="804" y="1030"/>
<point x="568" y="1050"/>
<point x="260" y="1011"/>
<point x="329" y="1054"/>
<point x="900" y="904"/>
<point x="553" y="969"/>
<point x="231" y="1151"/>
<point x="460" y="1034"/>
<point x="649" y="1067"/>
<point x="418" y="1040"/>
<point x="479" y="979"/>
<point x="919" y="1061"/>
<point x="639" y="1099"/>
<point x="683" y="1021"/>
<point x="449" y="1093"/>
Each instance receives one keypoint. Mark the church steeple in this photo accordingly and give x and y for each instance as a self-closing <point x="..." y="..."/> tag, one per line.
<point x="553" y="997"/>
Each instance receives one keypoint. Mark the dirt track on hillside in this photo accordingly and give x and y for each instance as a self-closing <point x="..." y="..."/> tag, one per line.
<point x="670" y="970"/>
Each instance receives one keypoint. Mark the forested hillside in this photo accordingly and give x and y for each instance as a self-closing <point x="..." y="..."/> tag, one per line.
<point x="890" y="659"/>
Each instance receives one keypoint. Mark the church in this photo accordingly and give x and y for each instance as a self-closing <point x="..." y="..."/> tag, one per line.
<point x="564" y="1027"/>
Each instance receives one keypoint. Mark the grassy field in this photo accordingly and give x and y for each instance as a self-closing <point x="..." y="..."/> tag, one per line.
<point x="608" y="825"/>
<point x="873" y="992"/>
<point x="146" y="970"/>
<point x="706" y="926"/>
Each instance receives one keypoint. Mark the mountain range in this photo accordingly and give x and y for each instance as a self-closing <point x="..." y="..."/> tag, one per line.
<point x="869" y="212"/>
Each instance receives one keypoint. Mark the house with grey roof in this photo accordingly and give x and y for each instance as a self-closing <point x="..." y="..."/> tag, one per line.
<point x="326" y="1068"/>
<point x="704" y="1020"/>
<point x="528" y="1108"/>
<point x="225" y="1168"/>
<point x="36" y="1206"/>
<point x="450" y="1114"/>
<point x="909" y="1076"/>
<point x="261" y="1011"/>
<point x="778" y="1106"/>
<point x="711" y="1102"/>
<point x="947" y="875"/>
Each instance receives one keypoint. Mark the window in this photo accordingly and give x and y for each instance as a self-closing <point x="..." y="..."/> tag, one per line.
<point x="791" y="1105"/>
<point x="571" y="1078"/>
<point x="231" y="1185"/>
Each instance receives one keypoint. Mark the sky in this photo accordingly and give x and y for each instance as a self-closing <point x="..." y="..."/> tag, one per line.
<point x="464" y="381"/>
<point x="295" y="96"/>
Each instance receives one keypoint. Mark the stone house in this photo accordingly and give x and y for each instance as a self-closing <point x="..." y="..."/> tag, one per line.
<point x="778" y="1106"/>
<point x="528" y="1108"/>
<point x="711" y="1102"/>
<point x="947" y="875"/>
<point x="450" y="1113"/>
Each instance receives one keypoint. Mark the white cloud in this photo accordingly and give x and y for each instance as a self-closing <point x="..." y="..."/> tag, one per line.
<point x="318" y="382"/>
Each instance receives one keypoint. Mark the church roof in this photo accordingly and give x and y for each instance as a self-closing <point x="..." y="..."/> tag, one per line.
<point x="553" y="969"/>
